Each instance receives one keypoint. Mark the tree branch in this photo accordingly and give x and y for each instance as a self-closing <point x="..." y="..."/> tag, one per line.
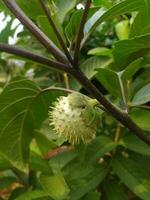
<point x="80" y="34"/>
<point x="114" y="111"/>
<point x="34" y="57"/>
<point x="60" y="39"/>
<point x="41" y="37"/>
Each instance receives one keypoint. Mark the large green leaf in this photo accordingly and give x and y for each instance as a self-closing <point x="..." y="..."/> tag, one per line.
<point x="126" y="51"/>
<point x="141" y="117"/>
<point x="134" y="172"/>
<point x="110" y="80"/>
<point x="88" y="67"/>
<point x="55" y="186"/>
<point x="15" y="123"/>
<point x="135" y="144"/>
<point x="119" y="9"/>
<point x="142" y="96"/>
<point x="22" y="110"/>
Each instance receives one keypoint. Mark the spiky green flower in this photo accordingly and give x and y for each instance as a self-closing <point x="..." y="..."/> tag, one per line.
<point x="75" y="118"/>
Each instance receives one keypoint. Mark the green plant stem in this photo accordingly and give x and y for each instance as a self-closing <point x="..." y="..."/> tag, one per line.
<point x="80" y="33"/>
<point x="41" y="37"/>
<point x="60" y="39"/>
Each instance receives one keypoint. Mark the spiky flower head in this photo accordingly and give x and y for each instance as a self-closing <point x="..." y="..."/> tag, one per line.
<point x="75" y="118"/>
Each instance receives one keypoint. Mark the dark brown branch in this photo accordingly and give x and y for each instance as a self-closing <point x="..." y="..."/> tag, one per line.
<point x="34" y="57"/>
<point x="114" y="111"/>
<point x="60" y="39"/>
<point x="80" y="34"/>
<point x="41" y="37"/>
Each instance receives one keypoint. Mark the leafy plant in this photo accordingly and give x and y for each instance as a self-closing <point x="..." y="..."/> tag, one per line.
<point x="98" y="50"/>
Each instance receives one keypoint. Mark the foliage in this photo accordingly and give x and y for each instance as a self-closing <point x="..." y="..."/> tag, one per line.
<point x="115" y="57"/>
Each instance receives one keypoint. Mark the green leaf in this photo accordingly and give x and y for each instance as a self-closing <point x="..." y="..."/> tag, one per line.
<point x="131" y="69"/>
<point x="30" y="195"/>
<point x="88" y="67"/>
<point x="43" y="142"/>
<point x="134" y="172"/>
<point x="141" y="23"/>
<point x="48" y="30"/>
<point x="37" y="163"/>
<point x="7" y="32"/>
<point x="126" y="51"/>
<point x="141" y="80"/>
<point x="32" y="8"/>
<point x="63" y="7"/>
<point x="142" y="96"/>
<point x="15" y="124"/>
<point x="98" y="148"/>
<point x="73" y="25"/>
<point x="110" y="80"/>
<point x="55" y="186"/>
<point x="4" y="164"/>
<point x="92" y="196"/>
<point x="114" y="191"/>
<point x="141" y="117"/>
<point x="118" y="9"/>
<point x="22" y="110"/>
<point x="100" y="51"/>
<point x="101" y="3"/>
<point x="122" y="29"/>
<point x="135" y="144"/>
<point x="88" y="183"/>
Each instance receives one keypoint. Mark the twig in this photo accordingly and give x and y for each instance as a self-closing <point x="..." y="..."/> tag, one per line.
<point x="60" y="39"/>
<point x="80" y="34"/>
<point x="34" y="57"/>
<point x="59" y="150"/>
<point x="41" y="37"/>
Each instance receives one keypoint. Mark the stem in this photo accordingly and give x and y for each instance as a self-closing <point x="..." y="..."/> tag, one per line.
<point x="51" y="89"/>
<point x="34" y="57"/>
<point x="60" y="39"/>
<point x="59" y="150"/>
<point x="41" y="37"/>
<point x="114" y="111"/>
<point x="117" y="134"/>
<point x="66" y="80"/>
<point x="80" y="34"/>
